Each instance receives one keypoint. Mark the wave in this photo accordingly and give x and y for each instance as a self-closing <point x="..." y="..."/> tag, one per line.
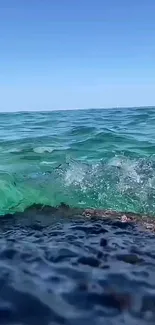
<point x="119" y="183"/>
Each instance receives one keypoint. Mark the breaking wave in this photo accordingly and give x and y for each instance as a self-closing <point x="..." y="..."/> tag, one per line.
<point x="117" y="183"/>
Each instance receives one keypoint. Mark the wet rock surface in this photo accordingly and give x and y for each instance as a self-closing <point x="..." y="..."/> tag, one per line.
<point x="75" y="270"/>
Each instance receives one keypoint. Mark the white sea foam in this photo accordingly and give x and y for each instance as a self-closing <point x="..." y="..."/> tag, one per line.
<point x="15" y="150"/>
<point x="47" y="162"/>
<point x="41" y="150"/>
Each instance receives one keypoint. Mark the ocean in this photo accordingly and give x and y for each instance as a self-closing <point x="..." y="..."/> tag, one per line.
<point x="68" y="269"/>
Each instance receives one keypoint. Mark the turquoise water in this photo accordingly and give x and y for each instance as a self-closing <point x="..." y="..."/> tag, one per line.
<point x="88" y="158"/>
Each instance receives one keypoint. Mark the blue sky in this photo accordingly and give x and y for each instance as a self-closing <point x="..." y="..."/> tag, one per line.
<point x="59" y="54"/>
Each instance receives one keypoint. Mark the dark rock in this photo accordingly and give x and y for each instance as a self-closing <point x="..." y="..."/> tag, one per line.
<point x="91" y="261"/>
<point x="130" y="258"/>
<point x="103" y="242"/>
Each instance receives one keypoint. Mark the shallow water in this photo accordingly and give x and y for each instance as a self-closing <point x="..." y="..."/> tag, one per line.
<point x="72" y="270"/>
<point x="68" y="269"/>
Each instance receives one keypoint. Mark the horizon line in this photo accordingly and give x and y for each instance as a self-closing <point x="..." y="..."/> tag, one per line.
<point x="76" y="109"/>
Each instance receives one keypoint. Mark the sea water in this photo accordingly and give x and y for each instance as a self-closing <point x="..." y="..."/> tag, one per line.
<point x="72" y="270"/>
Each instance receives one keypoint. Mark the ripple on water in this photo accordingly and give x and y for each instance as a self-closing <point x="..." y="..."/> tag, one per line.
<point x="75" y="272"/>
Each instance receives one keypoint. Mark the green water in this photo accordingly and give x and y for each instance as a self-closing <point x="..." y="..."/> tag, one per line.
<point x="88" y="158"/>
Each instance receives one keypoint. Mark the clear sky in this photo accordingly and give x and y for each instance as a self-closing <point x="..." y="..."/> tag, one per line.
<point x="59" y="54"/>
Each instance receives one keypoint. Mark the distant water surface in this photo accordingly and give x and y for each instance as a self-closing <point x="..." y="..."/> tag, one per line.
<point x="98" y="158"/>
